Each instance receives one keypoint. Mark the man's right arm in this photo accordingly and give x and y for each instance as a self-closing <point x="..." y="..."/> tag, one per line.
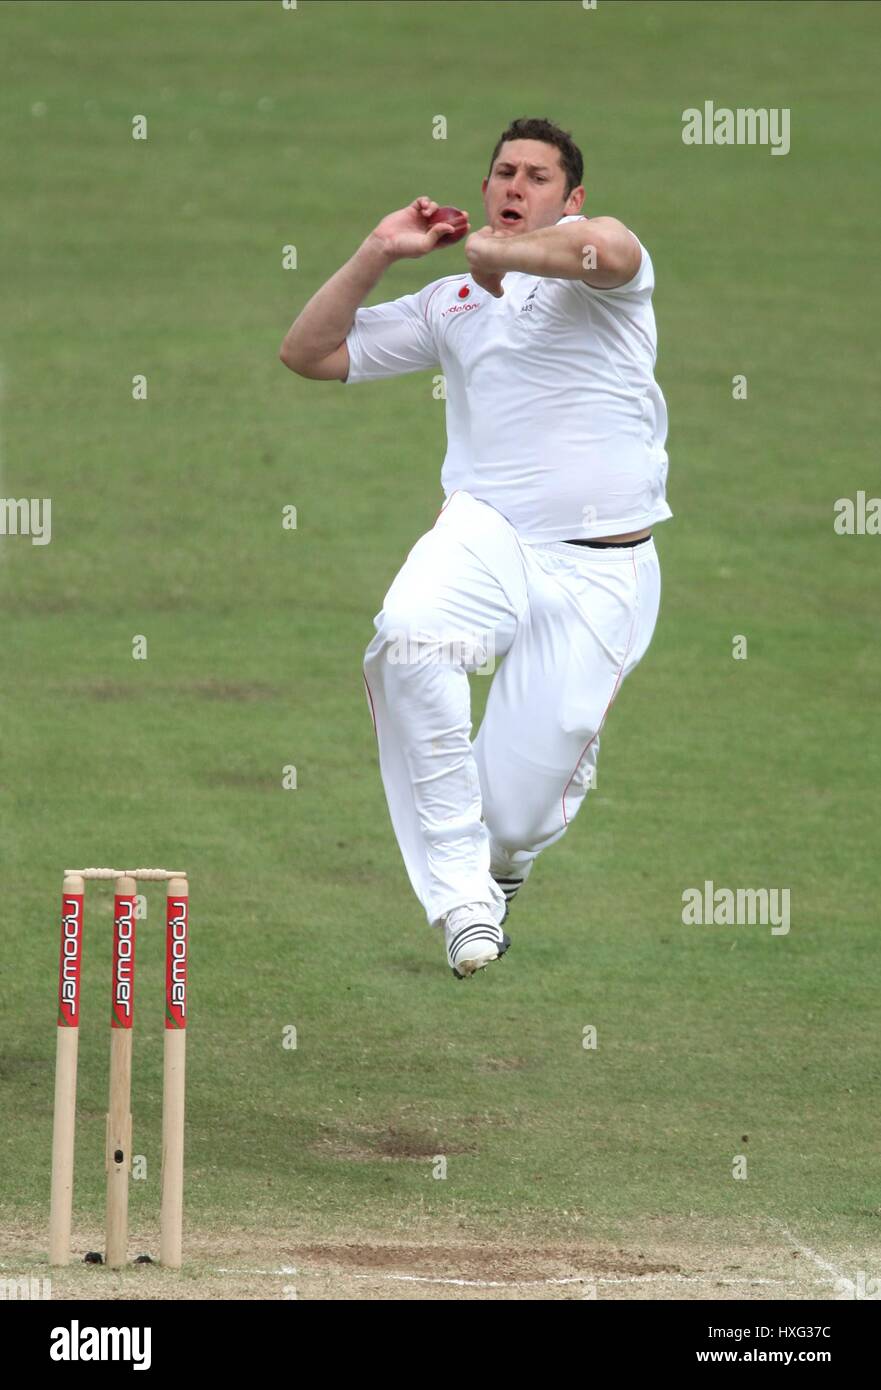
<point x="315" y="344"/>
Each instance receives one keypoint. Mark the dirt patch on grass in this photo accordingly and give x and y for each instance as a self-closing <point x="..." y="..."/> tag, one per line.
<point x="360" y="1144"/>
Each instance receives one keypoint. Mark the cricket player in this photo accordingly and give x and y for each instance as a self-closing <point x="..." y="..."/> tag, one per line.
<point x="542" y="558"/>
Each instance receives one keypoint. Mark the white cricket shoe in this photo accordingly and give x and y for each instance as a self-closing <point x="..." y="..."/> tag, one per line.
<point x="473" y="938"/>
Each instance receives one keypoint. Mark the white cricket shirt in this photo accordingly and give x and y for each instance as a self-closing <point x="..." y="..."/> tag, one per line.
<point x="554" y="416"/>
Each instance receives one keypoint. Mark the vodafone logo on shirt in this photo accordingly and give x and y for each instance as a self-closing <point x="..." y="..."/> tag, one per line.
<point x="463" y="292"/>
<point x="461" y="308"/>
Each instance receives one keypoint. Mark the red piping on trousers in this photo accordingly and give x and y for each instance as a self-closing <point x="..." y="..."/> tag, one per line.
<point x="372" y="711"/>
<point x="444" y="507"/>
<point x="434" y="523"/>
<point x="606" y="710"/>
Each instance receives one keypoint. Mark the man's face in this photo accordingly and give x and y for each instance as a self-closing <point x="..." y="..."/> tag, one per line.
<point x="526" y="188"/>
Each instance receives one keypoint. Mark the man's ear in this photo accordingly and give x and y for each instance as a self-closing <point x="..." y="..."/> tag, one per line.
<point x="575" y="201"/>
<point x="483" y="186"/>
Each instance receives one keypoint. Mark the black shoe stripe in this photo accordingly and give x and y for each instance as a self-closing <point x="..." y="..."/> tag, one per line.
<point x="510" y="887"/>
<point x="479" y="931"/>
<point x="485" y="929"/>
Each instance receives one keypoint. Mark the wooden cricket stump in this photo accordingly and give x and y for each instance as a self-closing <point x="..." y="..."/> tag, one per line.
<point x="64" y="1123"/>
<point x="118" y="1160"/>
<point x="174" y="1072"/>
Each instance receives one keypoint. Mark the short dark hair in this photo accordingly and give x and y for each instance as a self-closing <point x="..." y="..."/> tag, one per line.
<point x="540" y="128"/>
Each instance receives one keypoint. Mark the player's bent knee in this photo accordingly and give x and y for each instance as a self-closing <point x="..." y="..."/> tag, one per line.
<point x="515" y="829"/>
<point x="407" y="635"/>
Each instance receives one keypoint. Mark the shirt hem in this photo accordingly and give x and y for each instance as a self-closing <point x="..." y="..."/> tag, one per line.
<point x="622" y="527"/>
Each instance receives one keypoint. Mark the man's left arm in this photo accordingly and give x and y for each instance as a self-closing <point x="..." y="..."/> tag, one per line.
<point x="599" y="251"/>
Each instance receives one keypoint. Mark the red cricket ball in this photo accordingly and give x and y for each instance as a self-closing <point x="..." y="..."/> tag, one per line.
<point x="457" y="219"/>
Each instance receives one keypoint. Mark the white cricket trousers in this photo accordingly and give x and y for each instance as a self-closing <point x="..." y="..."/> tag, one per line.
<point x="566" y="624"/>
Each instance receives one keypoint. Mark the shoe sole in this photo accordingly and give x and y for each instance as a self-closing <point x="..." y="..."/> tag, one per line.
<point x="466" y="968"/>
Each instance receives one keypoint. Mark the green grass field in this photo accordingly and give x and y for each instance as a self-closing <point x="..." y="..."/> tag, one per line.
<point x="163" y="257"/>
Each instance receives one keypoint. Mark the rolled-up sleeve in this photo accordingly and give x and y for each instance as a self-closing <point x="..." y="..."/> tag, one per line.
<point x="391" y="339"/>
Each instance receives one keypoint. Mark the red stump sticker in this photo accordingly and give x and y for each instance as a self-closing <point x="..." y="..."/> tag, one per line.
<point x="71" y="956"/>
<point x="176" y="942"/>
<point x="123" y="961"/>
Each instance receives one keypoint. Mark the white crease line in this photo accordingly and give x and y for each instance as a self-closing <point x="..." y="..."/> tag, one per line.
<point x="412" y="1278"/>
<point x="474" y="1283"/>
<point x="812" y="1255"/>
<point x="418" y="1278"/>
<point x="697" y="1279"/>
<point x="578" y="1279"/>
<point x="710" y="1276"/>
